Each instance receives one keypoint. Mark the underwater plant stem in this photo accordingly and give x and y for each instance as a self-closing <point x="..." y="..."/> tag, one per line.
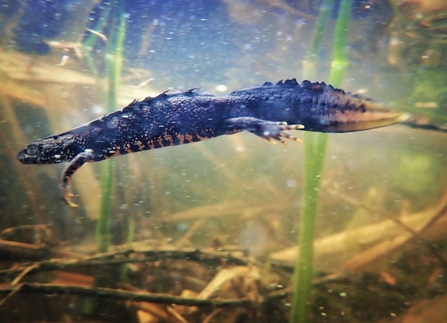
<point x="89" y="43"/>
<point x="317" y="36"/>
<point x="103" y="236"/>
<point x="114" y="59"/>
<point x="314" y="152"/>
<point x="339" y="57"/>
<point x="91" y="39"/>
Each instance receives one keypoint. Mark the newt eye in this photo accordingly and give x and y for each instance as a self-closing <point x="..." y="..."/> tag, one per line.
<point x="32" y="150"/>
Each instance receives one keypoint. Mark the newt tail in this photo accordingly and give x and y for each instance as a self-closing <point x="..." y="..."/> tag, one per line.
<point x="171" y="119"/>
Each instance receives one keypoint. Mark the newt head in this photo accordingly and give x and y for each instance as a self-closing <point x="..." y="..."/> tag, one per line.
<point x="51" y="150"/>
<point x="29" y="154"/>
<point x="36" y="153"/>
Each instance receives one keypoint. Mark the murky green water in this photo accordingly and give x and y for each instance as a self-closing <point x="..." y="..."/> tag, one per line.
<point x="234" y="190"/>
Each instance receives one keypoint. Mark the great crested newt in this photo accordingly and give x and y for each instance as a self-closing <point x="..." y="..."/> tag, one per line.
<point x="171" y="119"/>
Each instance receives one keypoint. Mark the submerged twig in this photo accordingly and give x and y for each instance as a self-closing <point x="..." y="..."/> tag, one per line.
<point x="12" y="292"/>
<point x="424" y="126"/>
<point x="120" y="294"/>
<point x="330" y="249"/>
<point x="442" y="206"/>
<point x="212" y="257"/>
<point x="97" y="33"/>
<point x="23" y="274"/>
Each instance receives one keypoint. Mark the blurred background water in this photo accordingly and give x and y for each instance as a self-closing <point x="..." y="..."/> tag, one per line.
<point x="233" y="190"/>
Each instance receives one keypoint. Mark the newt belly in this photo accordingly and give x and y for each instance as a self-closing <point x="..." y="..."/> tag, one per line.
<point x="171" y="119"/>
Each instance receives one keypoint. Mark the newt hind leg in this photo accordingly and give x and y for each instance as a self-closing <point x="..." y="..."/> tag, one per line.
<point x="68" y="172"/>
<point x="268" y="130"/>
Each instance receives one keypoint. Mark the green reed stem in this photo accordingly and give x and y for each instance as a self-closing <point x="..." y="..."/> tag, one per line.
<point x="89" y="43"/>
<point x="314" y="149"/>
<point x="114" y="60"/>
<point x="91" y="39"/>
<point x="339" y="57"/>
<point x="311" y="60"/>
<point x="314" y="152"/>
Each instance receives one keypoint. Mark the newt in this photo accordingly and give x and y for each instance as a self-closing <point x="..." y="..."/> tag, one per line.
<point x="171" y="119"/>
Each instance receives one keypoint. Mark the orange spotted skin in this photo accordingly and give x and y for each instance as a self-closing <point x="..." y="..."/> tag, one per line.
<point x="186" y="117"/>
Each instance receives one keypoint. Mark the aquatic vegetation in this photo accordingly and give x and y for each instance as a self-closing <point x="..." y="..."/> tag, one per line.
<point x="114" y="59"/>
<point x="315" y="147"/>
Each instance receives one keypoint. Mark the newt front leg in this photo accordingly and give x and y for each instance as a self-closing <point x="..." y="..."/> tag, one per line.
<point x="68" y="172"/>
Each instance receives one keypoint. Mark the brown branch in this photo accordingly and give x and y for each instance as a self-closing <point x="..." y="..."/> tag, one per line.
<point x="120" y="294"/>
<point x="439" y="211"/>
<point x="23" y="274"/>
<point x="212" y="257"/>
<point x="20" y="250"/>
<point x="425" y="126"/>
<point x="14" y="290"/>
